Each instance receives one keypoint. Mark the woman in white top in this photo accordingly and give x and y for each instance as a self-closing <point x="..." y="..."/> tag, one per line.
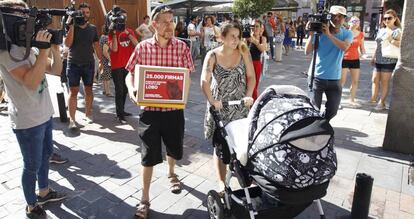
<point x="210" y="35"/>
<point x="145" y="31"/>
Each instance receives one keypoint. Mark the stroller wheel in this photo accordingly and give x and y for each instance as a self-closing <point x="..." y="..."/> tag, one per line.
<point x="214" y="205"/>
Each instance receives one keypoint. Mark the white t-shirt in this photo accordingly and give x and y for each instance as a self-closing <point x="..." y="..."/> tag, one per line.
<point x="192" y="27"/>
<point x="27" y="108"/>
<point x="209" y="37"/>
<point x="145" y="30"/>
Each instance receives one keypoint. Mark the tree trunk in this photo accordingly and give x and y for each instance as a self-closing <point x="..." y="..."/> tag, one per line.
<point x="399" y="133"/>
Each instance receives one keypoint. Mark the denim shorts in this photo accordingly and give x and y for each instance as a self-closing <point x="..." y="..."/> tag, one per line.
<point x="385" y="67"/>
<point x="76" y="72"/>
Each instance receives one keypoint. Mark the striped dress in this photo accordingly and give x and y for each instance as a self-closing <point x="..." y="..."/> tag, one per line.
<point x="226" y="85"/>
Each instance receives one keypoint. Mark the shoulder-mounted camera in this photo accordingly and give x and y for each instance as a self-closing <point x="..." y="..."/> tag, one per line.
<point x="19" y="27"/>
<point x="115" y="18"/>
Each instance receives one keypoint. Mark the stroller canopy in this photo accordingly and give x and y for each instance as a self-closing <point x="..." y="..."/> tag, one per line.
<point x="290" y="143"/>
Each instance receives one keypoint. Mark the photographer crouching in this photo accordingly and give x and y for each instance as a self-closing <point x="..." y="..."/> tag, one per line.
<point x="82" y="39"/>
<point x="30" y="108"/>
<point x="122" y="42"/>
<point x="334" y="41"/>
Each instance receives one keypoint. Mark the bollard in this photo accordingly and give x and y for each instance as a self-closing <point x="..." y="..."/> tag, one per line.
<point x="62" y="107"/>
<point x="362" y="196"/>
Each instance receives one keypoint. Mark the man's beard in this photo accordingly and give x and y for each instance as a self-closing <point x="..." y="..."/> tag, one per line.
<point x="167" y="35"/>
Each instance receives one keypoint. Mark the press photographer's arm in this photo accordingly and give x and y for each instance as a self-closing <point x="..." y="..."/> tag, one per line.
<point x="327" y="30"/>
<point x="31" y="76"/>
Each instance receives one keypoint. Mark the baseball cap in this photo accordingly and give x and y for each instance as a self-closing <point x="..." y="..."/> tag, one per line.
<point x="337" y="9"/>
<point x="160" y="10"/>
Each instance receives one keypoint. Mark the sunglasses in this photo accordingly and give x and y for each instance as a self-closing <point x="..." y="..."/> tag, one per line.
<point x="388" y="18"/>
<point x="160" y="10"/>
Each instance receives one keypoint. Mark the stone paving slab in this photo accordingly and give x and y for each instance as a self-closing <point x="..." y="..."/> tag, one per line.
<point x="102" y="178"/>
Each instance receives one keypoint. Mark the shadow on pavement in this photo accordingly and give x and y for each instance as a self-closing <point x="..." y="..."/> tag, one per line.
<point x="86" y="198"/>
<point x="349" y="137"/>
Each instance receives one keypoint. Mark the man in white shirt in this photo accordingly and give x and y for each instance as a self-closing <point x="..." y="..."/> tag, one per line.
<point x="194" y="36"/>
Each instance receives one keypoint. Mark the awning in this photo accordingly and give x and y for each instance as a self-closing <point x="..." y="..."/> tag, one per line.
<point x="285" y="5"/>
<point x="174" y="4"/>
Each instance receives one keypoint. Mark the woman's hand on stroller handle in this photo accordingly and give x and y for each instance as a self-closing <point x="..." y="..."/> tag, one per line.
<point x="248" y="101"/>
<point x="216" y="104"/>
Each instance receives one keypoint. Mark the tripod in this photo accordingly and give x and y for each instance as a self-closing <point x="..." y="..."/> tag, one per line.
<point x="315" y="51"/>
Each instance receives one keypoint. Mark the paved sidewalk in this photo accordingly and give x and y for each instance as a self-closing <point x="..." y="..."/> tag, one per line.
<point x="102" y="178"/>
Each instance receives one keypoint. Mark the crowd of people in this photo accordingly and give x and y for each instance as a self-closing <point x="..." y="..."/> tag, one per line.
<point x="232" y="65"/>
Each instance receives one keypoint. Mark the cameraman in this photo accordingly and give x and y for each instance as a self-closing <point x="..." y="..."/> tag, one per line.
<point x="121" y="44"/>
<point x="30" y="110"/>
<point x="82" y="41"/>
<point x="333" y="42"/>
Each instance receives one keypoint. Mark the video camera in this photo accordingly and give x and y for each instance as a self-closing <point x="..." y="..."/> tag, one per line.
<point x="78" y="17"/>
<point x="19" y="26"/>
<point x="115" y="18"/>
<point x="246" y="30"/>
<point x="318" y="19"/>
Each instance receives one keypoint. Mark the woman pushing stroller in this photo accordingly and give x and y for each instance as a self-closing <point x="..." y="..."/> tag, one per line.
<point x="228" y="74"/>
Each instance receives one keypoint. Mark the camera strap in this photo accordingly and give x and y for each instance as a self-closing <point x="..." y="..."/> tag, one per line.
<point x="30" y="23"/>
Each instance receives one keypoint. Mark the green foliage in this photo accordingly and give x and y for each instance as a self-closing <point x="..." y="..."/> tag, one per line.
<point x="252" y="8"/>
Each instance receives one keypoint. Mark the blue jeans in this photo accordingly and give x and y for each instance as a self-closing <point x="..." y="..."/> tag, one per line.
<point x="36" y="145"/>
<point x="333" y="92"/>
<point x="270" y="41"/>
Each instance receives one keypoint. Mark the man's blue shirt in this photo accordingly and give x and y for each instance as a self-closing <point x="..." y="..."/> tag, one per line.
<point x="329" y="57"/>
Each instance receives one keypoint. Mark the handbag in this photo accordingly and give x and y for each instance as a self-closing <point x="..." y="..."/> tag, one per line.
<point x="279" y="38"/>
<point x="389" y="50"/>
<point x="265" y="65"/>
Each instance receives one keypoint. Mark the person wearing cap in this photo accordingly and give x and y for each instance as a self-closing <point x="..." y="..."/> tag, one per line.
<point x="333" y="42"/>
<point x="156" y="124"/>
<point x="121" y="45"/>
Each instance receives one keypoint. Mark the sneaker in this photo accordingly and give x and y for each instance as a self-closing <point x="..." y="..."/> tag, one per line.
<point x="121" y="120"/>
<point x="380" y="107"/>
<point x="88" y="119"/>
<point x="52" y="196"/>
<point x="354" y="104"/>
<point x="57" y="159"/>
<point x="72" y="125"/>
<point x="36" y="213"/>
<point x="126" y="114"/>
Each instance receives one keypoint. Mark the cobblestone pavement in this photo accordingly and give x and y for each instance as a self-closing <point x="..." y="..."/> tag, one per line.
<point x="102" y="177"/>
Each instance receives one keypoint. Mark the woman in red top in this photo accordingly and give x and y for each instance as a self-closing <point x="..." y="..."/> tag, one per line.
<point x="351" y="58"/>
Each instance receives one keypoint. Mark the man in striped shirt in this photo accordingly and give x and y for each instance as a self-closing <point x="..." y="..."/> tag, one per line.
<point x="159" y="123"/>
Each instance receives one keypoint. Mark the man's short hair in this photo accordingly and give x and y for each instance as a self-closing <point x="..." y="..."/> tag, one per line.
<point x="146" y="16"/>
<point x="269" y="13"/>
<point x="13" y="3"/>
<point x="162" y="9"/>
<point x="193" y="17"/>
<point x="84" y="5"/>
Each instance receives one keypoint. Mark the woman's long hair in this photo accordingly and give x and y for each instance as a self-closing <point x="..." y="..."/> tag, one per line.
<point x="397" y="22"/>
<point x="234" y="24"/>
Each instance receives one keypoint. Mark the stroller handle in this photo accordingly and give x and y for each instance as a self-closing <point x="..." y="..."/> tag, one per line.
<point x="228" y="103"/>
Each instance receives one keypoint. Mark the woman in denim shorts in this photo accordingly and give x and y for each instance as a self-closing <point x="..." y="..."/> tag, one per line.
<point x="384" y="67"/>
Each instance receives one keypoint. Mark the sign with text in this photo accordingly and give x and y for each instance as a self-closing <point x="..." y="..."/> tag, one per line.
<point x="167" y="86"/>
<point x="162" y="86"/>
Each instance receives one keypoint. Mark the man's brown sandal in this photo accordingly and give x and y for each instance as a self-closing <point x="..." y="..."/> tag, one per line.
<point x="175" y="185"/>
<point x="142" y="210"/>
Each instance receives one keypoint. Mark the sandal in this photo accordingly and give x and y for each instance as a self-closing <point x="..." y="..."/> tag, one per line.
<point x="175" y="186"/>
<point x="142" y="210"/>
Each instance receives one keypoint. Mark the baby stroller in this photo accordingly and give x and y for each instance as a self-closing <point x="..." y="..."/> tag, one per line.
<point x="285" y="148"/>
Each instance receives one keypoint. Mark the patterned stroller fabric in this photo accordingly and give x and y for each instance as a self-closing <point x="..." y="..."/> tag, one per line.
<point x="290" y="144"/>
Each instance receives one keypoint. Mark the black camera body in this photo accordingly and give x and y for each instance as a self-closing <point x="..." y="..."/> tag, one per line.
<point x="115" y="18"/>
<point x="15" y="29"/>
<point x="78" y="17"/>
<point x="246" y="31"/>
<point x="318" y="19"/>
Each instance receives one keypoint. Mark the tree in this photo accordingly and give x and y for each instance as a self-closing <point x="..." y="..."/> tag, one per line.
<point x="252" y="8"/>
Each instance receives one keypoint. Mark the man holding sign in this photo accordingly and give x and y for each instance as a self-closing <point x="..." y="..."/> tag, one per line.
<point x="159" y="123"/>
